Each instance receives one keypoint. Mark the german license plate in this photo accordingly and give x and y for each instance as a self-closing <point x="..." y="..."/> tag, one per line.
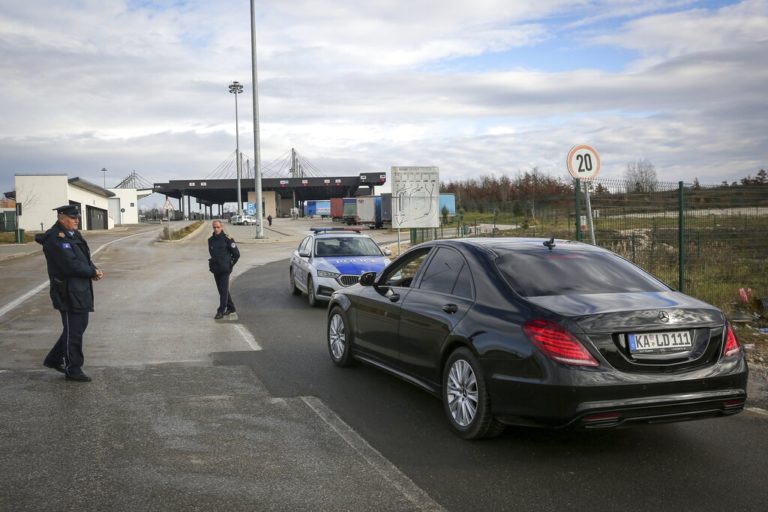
<point x="660" y="341"/>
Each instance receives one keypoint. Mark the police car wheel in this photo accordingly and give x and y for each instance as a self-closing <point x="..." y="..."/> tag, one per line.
<point x="292" y="283"/>
<point x="311" y="299"/>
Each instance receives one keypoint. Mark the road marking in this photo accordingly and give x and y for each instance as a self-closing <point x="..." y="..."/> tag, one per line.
<point x="389" y="471"/>
<point x="247" y="336"/>
<point x="20" y="300"/>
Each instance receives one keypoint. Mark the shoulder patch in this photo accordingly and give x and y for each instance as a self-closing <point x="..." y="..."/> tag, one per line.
<point x="61" y="234"/>
<point x="234" y="244"/>
<point x="66" y="245"/>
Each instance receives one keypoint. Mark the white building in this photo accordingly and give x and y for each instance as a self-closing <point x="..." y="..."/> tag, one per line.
<point x="40" y="194"/>
<point x="124" y="206"/>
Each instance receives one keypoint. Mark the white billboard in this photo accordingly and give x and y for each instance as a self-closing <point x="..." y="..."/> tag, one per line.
<point x="415" y="197"/>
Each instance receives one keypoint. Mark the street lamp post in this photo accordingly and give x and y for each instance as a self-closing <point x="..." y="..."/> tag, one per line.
<point x="104" y="170"/>
<point x="236" y="88"/>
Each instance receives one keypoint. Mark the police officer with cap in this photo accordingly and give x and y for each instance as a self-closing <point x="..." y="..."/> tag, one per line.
<point x="71" y="273"/>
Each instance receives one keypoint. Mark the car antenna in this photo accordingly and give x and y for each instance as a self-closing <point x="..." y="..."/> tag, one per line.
<point x="550" y="243"/>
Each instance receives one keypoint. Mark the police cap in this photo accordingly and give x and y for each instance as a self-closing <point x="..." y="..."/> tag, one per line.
<point x="69" y="210"/>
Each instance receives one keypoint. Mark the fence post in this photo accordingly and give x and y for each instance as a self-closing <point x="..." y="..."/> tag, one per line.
<point x="577" y="188"/>
<point x="681" y="237"/>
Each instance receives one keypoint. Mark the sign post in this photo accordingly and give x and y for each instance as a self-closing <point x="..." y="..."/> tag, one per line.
<point x="168" y="207"/>
<point x="584" y="164"/>
<point x="415" y="198"/>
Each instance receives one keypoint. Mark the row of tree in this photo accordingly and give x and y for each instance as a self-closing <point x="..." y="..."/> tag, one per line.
<point x="532" y="189"/>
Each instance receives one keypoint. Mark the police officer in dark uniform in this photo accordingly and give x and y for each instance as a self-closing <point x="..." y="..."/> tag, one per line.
<point x="71" y="273"/>
<point x="224" y="254"/>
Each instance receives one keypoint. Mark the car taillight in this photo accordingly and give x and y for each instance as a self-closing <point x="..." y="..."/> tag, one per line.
<point x="732" y="345"/>
<point x="557" y="343"/>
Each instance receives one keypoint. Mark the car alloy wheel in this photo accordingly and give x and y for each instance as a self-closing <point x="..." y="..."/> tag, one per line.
<point x="462" y="393"/>
<point x="292" y="283"/>
<point x="339" y="339"/>
<point x="465" y="399"/>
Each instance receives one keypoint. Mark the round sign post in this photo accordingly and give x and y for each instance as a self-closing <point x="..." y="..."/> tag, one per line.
<point x="584" y="164"/>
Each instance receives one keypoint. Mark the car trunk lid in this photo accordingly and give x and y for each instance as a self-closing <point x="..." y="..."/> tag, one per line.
<point x="644" y="331"/>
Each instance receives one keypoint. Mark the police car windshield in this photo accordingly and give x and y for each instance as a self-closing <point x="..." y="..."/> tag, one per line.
<point x="346" y="246"/>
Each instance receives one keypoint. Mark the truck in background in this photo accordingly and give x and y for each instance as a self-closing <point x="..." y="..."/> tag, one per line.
<point x="310" y="208"/>
<point x="320" y="207"/>
<point x="448" y="201"/>
<point x="369" y="211"/>
<point x="323" y="208"/>
<point x="337" y="208"/>
<point x="349" y="214"/>
<point x="386" y="209"/>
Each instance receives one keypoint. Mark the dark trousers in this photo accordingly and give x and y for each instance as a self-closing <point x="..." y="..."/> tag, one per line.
<point x="69" y="346"/>
<point x="225" y="299"/>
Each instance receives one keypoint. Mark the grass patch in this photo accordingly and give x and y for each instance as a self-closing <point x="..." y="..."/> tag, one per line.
<point x="10" y="237"/>
<point x="180" y="233"/>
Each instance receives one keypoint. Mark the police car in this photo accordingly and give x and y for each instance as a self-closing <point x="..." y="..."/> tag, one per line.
<point x="332" y="258"/>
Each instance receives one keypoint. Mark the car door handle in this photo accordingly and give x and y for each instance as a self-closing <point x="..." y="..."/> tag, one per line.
<point x="394" y="297"/>
<point x="450" y="308"/>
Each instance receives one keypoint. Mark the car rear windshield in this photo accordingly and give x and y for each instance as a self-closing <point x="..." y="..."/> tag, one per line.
<point x="535" y="273"/>
<point x="346" y="246"/>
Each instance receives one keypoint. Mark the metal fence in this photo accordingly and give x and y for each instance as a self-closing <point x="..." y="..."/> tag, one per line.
<point x="7" y="221"/>
<point x="722" y="230"/>
<point x="708" y="241"/>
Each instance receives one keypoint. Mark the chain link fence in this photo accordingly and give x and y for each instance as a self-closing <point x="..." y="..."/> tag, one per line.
<point x="722" y="230"/>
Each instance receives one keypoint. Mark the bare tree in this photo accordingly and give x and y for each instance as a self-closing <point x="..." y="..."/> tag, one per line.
<point x="641" y="176"/>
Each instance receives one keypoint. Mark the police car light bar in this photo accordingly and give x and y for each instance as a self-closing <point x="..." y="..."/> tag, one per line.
<point x="321" y="230"/>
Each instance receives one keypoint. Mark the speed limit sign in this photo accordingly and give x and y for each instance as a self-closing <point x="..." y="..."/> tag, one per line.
<point x="583" y="162"/>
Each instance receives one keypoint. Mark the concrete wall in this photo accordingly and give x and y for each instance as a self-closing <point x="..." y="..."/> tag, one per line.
<point x="87" y="198"/>
<point x="38" y="196"/>
<point x="130" y="202"/>
<point x="269" y="197"/>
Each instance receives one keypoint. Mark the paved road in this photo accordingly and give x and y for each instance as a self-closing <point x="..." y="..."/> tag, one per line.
<point x="706" y="465"/>
<point x="190" y="414"/>
<point x="162" y="427"/>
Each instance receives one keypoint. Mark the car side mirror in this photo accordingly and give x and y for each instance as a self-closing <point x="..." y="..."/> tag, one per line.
<point x="368" y="278"/>
<point x="387" y="252"/>
<point x="304" y="254"/>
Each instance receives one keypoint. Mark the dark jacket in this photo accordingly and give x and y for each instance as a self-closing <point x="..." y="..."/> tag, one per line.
<point x="224" y="253"/>
<point x="70" y="269"/>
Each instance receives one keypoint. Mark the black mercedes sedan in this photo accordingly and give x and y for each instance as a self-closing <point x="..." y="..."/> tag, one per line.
<point x="535" y="332"/>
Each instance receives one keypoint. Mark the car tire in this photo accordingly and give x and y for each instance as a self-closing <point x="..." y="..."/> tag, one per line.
<point x="339" y="338"/>
<point x="311" y="298"/>
<point x="465" y="398"/>
<point x="292" y="283"/>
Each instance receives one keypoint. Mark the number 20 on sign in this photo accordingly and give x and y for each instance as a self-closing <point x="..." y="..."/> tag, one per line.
<point x="583" y="162"/>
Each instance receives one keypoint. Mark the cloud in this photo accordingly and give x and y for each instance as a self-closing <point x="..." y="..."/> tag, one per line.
<point x="361" y="87"/>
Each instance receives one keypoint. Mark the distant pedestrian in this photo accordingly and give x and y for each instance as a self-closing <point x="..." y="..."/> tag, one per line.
<point x="71" y="273"/>
<point x="224" y="254"/>
<point x="269" y="219"/>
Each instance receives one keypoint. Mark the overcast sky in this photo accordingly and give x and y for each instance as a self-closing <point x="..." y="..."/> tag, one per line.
<point x="474" y="87"/>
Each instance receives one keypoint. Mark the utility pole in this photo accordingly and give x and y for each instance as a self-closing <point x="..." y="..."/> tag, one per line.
<point x="256" y="141"/>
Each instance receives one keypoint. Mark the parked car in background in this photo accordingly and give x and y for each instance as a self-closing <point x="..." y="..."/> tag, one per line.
<point x="536" y="332"/>
<point x="241" y="220"/>
<point x="330" y="259"/>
